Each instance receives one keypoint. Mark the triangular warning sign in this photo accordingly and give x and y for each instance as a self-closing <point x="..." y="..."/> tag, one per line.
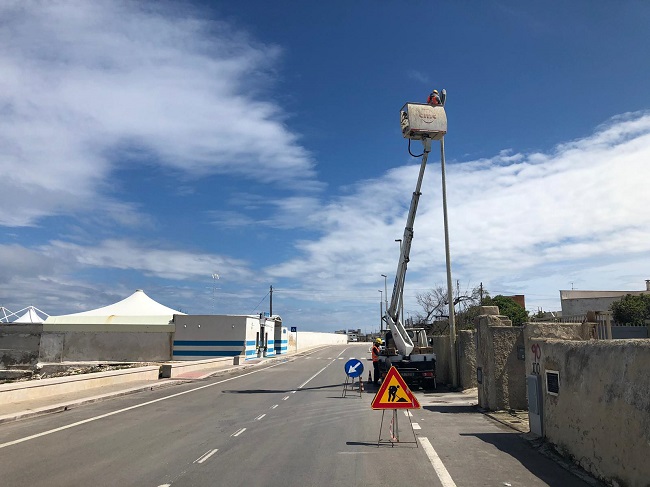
<point x="394" y="393"/>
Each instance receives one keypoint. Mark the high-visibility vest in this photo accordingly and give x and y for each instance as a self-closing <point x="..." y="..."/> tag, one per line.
<point x="375" y="353"/>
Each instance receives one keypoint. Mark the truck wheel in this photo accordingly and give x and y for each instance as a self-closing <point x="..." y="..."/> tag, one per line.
<point x="430" y="384"/>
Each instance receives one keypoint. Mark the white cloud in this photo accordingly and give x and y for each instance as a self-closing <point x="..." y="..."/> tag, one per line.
<point x="163" y="263"/>
<point x="84" y="83"/>
<point x="514" y="219"/>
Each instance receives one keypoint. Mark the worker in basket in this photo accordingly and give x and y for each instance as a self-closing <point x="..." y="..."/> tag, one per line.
<point x="434" y="98"/>
<point x="375" y="360"/>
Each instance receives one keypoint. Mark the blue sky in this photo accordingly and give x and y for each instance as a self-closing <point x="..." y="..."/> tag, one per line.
<point x="150" y="145"/>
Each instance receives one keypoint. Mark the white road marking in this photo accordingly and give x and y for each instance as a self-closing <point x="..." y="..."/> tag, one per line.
<point x="239" y="432"/>
<point x="274" y="406"/>
<point x="205" y="456"/>
<point x="293" y="392"/>
<point x="136" y="406"/>
<point x="260" y="417"/>
<point x="407" y="412"/>
<point x="341" y="358"/>
<point x="441" y="471"/>
<point x="305" y="383"/>
<point x="285" y="398"/>
<point x="416" y="426"/>
<point x="165" y="485"/>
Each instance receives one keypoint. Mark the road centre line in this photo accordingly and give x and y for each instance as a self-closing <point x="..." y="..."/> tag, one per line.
<point x="274" y="406"/>
<point x="307" y="381"/>
<point x="441" y="471"/>
<point x="293" y="392"/>
<point x="285" y="398"/>
<point x="205" y="456"/>
<point x="260" y="417"/>
<point x="416" y="426"/>
<point x="136" y="406"/>
<point x="238" y="432"/>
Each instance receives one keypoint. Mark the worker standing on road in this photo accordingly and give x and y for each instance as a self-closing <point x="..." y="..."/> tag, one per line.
<point x="375" y="360"/>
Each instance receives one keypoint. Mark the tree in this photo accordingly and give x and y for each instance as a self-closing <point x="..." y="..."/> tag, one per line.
<point x="632" y="310"/>
<point x="436" y="308"/>
<point x="508" y="307"/>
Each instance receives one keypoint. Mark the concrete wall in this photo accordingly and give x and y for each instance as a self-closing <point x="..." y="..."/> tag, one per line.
<point x="601" y="415"/>
<point x="465" y="341"/>
<point x="503" y="384"/>
<point x="19" y="344"/>
<point x="123" y="346"/>
<point x="311" y="339"/>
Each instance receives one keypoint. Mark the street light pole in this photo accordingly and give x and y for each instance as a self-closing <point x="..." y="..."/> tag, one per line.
<point x="450" y="292"/>
<point x="401" y="298"/>
<point x="385" y="292"/>
<point x="381" y="311"/>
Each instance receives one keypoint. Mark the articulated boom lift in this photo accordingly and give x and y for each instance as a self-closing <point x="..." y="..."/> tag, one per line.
<point x="408" y="350"/>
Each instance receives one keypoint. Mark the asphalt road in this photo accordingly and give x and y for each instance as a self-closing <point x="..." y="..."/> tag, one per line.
<point x="285" y="424"/>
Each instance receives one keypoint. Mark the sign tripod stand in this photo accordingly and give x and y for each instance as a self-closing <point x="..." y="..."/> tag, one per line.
<point x="353" y="370"/>
<point x="394" y="430"/>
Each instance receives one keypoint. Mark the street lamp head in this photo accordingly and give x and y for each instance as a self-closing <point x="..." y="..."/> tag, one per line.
<point x="384" y="275"/>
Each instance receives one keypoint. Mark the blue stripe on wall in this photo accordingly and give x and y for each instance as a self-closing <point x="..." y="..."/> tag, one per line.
<point x="209" y="343"/>
<point x="206" y="353"/>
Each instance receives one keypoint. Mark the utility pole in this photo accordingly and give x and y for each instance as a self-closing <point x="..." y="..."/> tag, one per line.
<point x="481" y="291"/>
<point x="271" y="301"/>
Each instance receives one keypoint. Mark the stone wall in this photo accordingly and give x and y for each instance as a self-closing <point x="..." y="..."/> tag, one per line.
<point x="466" y="343"/>
<point x="601" y="413"/>
<point x="19" y="344"/>
<point x="502" y="369"/>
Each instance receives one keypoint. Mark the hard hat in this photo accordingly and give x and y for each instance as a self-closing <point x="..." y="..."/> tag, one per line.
<point x="378" y="340"/>
<point x="435" y="91"/>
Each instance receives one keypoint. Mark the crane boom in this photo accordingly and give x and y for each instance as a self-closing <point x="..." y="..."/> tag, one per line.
<point x="403" y="342"/>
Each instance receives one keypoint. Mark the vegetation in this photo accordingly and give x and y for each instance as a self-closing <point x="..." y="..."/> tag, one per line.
<point x="632" y="310"/>
<point x="508" y="307"/>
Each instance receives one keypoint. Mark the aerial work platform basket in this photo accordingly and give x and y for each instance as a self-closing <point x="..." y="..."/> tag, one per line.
<point x="421" y="121"/>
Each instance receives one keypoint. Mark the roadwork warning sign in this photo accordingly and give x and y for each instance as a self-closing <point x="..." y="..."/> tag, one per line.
<point x="394" y="393"/>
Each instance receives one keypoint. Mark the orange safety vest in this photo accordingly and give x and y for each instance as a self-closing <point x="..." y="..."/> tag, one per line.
<point x="375" y="353"/>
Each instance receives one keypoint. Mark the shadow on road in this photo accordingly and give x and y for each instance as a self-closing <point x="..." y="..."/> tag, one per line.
<point x="451" y="409"/>
<point x="278" y="391"/>
<point x="542" y="467"/>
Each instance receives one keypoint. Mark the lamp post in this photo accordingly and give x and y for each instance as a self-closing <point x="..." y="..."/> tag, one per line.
<point x="381" y="311"/>
<point x="401" y="298"/>
<point x="450" y="293"/>
<point x="385" y="292"/>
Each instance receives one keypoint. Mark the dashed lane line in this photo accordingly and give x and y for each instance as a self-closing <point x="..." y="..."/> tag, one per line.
<point x="205" y="456"/>
<point x="237" y="433"/>
<point x="260" y="417"/>
<point x="274" y="406"/>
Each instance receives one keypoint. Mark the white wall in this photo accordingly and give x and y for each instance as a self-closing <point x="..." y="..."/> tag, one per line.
<point x="310" y="339"/>
<point x="200" y="337"/>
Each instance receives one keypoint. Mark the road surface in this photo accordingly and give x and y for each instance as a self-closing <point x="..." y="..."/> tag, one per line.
<point x="283" y="424"/>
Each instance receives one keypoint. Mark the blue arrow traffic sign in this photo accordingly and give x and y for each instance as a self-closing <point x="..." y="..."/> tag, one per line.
<point x="353" y="368"/>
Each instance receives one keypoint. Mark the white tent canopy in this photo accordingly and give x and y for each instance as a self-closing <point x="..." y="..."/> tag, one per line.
<point x="137" y="309"/>
<point x="31" y="316"/>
